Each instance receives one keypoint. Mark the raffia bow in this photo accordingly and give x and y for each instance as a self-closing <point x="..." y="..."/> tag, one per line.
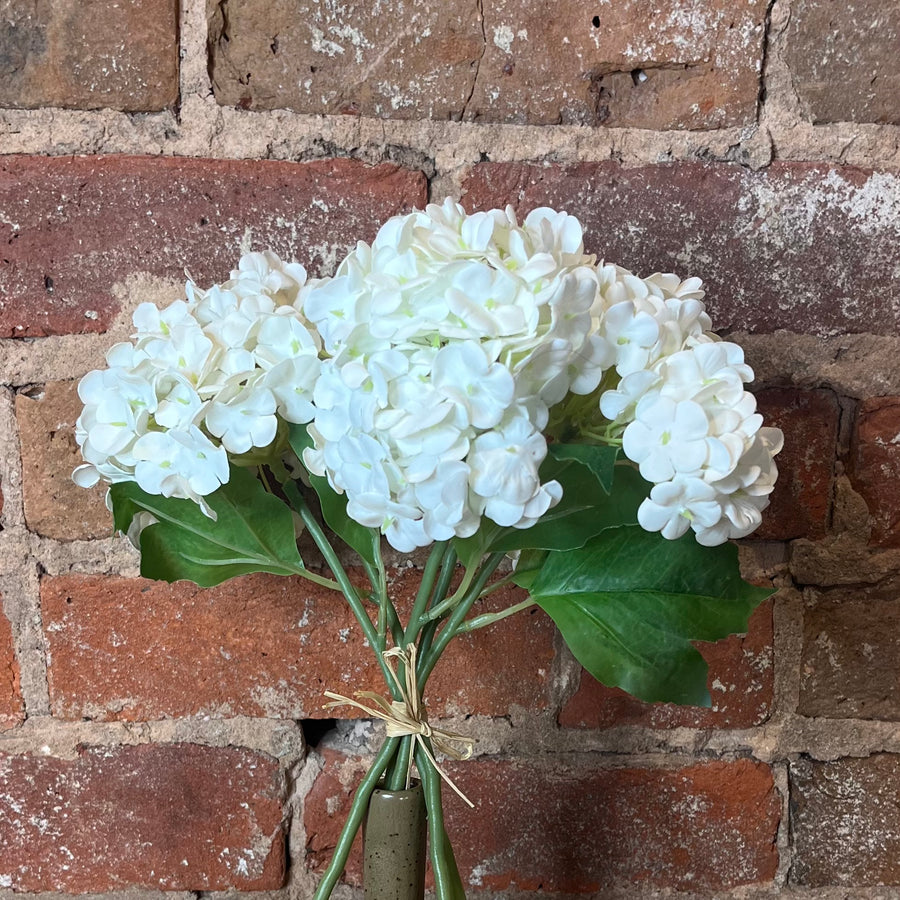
<point x="407" y="716"/>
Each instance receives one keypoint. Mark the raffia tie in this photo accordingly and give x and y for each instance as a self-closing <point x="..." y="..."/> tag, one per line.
<point x="407" y="716"/>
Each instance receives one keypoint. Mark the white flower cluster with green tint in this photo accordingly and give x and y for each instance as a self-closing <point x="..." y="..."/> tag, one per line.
<point x="448" y="340"/>
<point x="430" y="368"/>
<point x="203" y="379"/>
<point x="688" y="422"/>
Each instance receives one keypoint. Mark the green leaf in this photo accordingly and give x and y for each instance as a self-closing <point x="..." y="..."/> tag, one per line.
<point x="600" y="460"/>
<point x="528" y="567"/>
<point x="253" y="532"/>
<point x="363" y="540"/>
<point x="630" y="603"/>
<point x="585" y="510"/>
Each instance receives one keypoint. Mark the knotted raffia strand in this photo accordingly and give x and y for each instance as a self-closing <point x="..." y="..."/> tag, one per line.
<point x="406" y="717"/>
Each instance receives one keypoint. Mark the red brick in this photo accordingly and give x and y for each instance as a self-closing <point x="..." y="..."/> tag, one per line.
<point x="172" y="817"/>
<point x="632" y="68"/>
<point x="740" y="684"/>
<point x="504" y="61"/>
<point x="12" y="709"/>
<point x="419" y="61"/>
<point x="72" y="227"/>
<point x="89" y="54"/>
<point x="875" y="466"/>
<point x="844" y="61"/>
<point x="54" y="506"/>
<point x="556" y="826"/>
<point x="260" y="646"/>
<point x="801" y="246"/>
<point x="851" y="654"/>
<point x="801" y="502"/>
<point x="325" y="809"/>
<point x="845" y="821"/>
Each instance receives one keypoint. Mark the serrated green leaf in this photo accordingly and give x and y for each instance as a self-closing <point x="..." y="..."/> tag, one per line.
<point x="600" y="460"/>
<point x="363" y="540"/>
<point x="630" y="603"/>
<point x="253" y="532"/>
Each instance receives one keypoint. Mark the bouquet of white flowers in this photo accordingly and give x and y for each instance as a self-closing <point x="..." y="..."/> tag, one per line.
<point x="465" y="382"/>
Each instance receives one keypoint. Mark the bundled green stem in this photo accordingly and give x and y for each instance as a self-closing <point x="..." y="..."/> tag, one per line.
<point x="431" y="605"/>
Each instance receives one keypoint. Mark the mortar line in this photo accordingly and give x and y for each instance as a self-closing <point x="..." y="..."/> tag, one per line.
<point x="21" y="603"/>
<point x="207" y="130"/>
<point x="781" y="775"/>
<point x="10" y="463"/>
<point x="282" y="739"/>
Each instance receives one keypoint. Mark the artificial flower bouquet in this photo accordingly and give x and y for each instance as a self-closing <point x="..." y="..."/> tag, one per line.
<point x="466" y="383"/>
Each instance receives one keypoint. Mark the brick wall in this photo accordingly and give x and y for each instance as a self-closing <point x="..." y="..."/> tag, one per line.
<point x="161" y="737"/>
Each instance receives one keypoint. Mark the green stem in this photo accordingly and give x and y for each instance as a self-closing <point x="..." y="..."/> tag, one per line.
<point x="397" y="775"/>
<point x="354" y="819"/>
<point x="447" y="884"/>
<point x="448" y="567"/>
<point x="427" y="630"/>
<point x="346" y="586"/>
<point x="379" y="583"/>
<point x="321" y="580"/>
<point x="448" y="632"/>
<point x="601" y="437"/>
<point x="394" y="624"/>
<point x="444" y="603"/>
<point x="436" y="558"/>
<point x="395" y="780"/>
<point x="490" y="618"/>
<point x="441" y="609"/>
<point x="496" y="585"/>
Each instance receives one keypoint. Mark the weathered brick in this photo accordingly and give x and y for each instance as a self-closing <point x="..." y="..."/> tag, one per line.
<point x="740" y="684"/>
<point x="800" y="246"/>
<point x="851" y="654"/>
<point x="501" y="61"/>
<point x="801" y="502"/>
<point x="845" y="821"/>
<point x="72" y="227"/>
<point x="12" y="709"/>
<point x="558" y="826"/>
<point x="844" y="61"/>
<point x="173" y="817"/>
<point x="54" y="506"/>
<point x="325" y="810"/>
<point x="620" y="64"/>
<point x="420" y="60"/>
<point x="89" y="54"/>
<point x="260" y="646"/>
<point x="875" y="466"/>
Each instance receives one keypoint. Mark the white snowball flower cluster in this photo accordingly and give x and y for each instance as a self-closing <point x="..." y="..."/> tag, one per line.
<point x="688" y="422"/>
<point x="429" y="370"/>
<point x="203" y="378"/>
<point x="449" y="338"/>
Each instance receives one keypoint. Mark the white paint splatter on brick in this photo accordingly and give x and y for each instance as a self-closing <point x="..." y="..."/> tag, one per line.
<point x="320" y="44"/>
<point x="503" y="37"/>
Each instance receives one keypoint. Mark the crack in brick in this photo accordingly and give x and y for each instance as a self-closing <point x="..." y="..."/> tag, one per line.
<point x="764" y="60"/>
<point x="468" y="100"/>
